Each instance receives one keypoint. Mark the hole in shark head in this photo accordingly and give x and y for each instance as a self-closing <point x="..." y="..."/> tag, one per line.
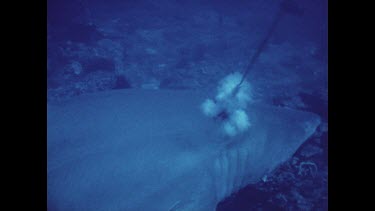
<point x="222" y="115"/>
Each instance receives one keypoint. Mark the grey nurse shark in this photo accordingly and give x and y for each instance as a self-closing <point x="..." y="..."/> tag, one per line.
<point x="155" y="150"/>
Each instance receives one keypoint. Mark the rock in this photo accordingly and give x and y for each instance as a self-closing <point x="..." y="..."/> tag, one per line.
<point x="310" y="150"/>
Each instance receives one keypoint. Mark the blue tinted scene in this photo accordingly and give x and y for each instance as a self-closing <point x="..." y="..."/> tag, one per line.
<point x="196" y="105"/>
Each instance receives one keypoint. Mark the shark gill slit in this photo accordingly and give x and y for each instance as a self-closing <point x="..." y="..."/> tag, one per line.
<point x="230" y="169"/>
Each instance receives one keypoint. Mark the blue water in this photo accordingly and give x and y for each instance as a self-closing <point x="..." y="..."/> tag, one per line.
<point x="96" y="46"/>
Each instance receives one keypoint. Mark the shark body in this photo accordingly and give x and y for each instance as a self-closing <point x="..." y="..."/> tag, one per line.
<point x="155" y="150"/>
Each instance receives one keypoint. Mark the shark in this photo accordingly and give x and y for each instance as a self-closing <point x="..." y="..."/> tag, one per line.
<point x="135" y="149"/>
